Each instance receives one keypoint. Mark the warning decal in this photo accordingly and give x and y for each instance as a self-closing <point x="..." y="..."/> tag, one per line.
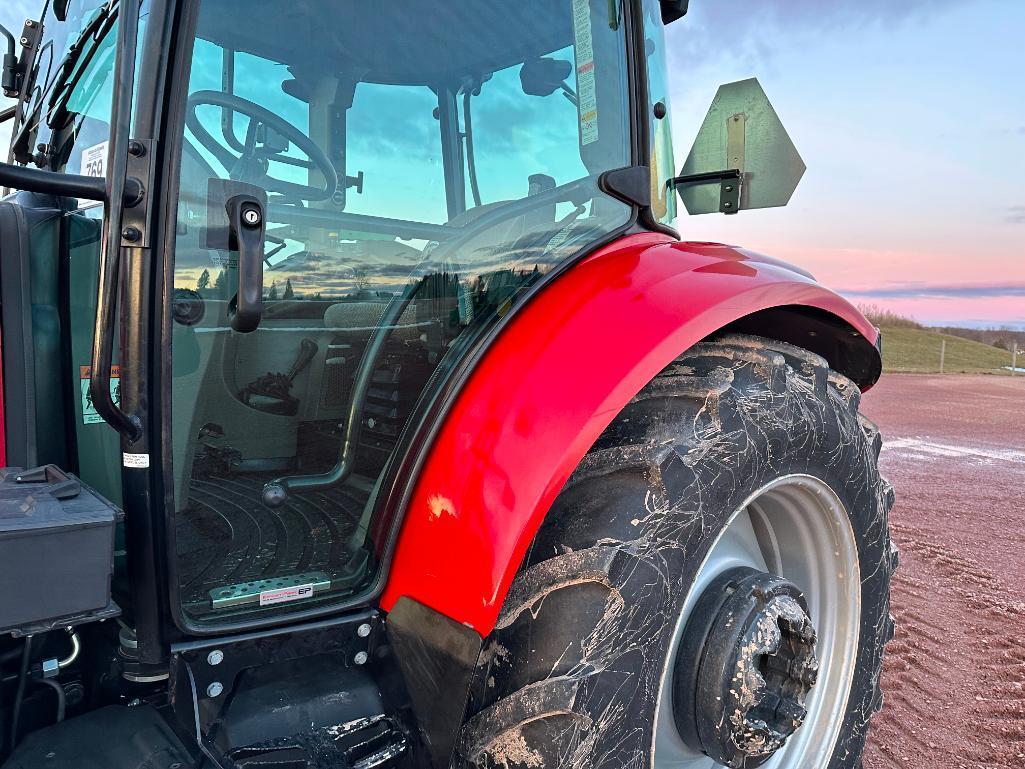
<point x="89" y="414"/>
<point x="587" y="102"/>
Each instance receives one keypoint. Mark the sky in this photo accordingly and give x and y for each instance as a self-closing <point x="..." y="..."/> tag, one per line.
<point x="911" y="119"/>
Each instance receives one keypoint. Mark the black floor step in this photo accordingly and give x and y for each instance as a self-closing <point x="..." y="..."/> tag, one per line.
<point x="361" y="744"/>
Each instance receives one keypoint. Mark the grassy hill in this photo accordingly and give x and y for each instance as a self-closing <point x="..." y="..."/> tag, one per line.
<point x="918" y="350"/>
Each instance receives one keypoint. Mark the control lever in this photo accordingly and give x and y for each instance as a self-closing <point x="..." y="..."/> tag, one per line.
<point x="307" y="350"/>
<point x="271" y="392"/>
<point x="246" y="235"/>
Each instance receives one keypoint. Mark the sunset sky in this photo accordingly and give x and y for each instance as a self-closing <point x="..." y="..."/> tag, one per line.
<point x="911" y="118"/>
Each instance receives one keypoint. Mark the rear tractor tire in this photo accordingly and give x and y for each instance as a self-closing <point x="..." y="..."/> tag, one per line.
<point x="710" y="588"/>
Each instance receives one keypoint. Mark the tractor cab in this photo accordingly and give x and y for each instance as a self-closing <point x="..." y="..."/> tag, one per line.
<point x="414" y="171"/>
<point x="346" y="201"/>
<point x="288" y="387"/>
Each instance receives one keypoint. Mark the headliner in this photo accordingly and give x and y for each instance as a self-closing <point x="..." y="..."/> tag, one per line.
<point x="416" y="42"/>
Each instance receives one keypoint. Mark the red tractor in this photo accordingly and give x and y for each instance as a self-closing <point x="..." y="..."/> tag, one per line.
<point x="363" y="407"/>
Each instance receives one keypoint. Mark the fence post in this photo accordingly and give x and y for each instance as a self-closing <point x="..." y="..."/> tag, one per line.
<point x="943" y="353"/>
<point x="1014" y="359"/>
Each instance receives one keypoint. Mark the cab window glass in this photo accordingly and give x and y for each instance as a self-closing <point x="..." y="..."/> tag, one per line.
<point x="420" y="168"/>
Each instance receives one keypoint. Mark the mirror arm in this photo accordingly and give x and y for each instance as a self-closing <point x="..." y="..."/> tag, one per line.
<point x="705" y="178"/>
<point x="64" y="185"/>
<point x="731" y="181"/>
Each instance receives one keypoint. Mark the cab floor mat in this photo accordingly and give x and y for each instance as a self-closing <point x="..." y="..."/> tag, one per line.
<point x="227" y="537"/>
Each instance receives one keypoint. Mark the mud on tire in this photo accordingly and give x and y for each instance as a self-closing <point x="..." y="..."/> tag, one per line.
<point x="571" y="675"/>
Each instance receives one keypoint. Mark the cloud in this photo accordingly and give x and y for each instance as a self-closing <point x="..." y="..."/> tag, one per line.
<point x="755" y="30"/>
<point x="1015" y="215"/>
<point x="940" y="291"/>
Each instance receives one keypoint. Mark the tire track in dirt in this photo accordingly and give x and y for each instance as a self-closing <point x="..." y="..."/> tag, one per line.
<point x="954" y="676"/>
<point x="955" y="667"/>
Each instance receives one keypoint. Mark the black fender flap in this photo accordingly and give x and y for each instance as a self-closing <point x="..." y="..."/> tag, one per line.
<point x="437" y="657"/>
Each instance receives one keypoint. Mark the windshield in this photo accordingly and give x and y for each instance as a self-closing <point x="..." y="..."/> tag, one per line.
<point x="423" y="164"/>
<point x="67" y="109"/>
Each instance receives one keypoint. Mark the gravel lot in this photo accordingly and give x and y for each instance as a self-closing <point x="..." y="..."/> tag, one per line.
<point x="954" y="678"/>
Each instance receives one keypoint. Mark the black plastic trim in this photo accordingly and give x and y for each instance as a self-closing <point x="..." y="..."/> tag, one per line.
<point x="632" y="185"/>
<point x="19" y="393"/>
<point x="844" y="347"/>
<point x="437" y="657"/>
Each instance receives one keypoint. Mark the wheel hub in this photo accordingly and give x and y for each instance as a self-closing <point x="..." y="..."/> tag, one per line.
<point x="744" y="668"/>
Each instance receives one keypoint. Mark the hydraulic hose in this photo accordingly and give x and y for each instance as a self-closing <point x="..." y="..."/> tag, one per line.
<point x="61" y="699"/>
<point x="76" y="648"/>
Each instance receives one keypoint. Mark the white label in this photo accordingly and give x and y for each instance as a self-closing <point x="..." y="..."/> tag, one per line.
<point x="587" y="102"/>
<point x="283" y="594"/>
<point x="94" y="160"/>
<point x="135" y="460"/>
<point x="94" y="163"/>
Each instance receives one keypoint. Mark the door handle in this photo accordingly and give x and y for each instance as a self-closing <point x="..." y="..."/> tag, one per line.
<point x="246" y="234"/>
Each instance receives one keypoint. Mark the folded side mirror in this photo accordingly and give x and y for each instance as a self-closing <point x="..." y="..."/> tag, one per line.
<point x="673" y="10"/>
<point x="742" y="157"/>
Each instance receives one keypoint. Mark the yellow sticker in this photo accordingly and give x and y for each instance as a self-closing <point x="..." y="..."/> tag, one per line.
<point x="587" y="102"/>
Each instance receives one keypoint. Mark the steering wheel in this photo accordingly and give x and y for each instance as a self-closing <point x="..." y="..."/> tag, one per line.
<point x="253" y="163"/>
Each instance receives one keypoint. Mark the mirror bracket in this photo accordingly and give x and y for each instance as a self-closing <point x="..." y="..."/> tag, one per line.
<point x="16" y="66"/>
<point x="631" y="184"/>
<point x="731" y="181"/>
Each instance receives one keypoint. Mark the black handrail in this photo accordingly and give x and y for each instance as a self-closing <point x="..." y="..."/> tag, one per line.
<point x="67" y="185"/>
<point x="110" y="246"/>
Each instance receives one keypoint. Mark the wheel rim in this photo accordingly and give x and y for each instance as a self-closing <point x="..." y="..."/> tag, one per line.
<point x="797" y="528"/>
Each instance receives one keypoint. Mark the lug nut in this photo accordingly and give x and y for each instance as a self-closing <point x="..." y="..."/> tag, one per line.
<point x="214" y="689"/>
<point x="361" y="658"/>
<point x="216" y="657"/>
<point x="363" y="630"/>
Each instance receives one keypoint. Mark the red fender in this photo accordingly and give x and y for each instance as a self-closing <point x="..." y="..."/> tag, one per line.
<point x="550" y="383"/>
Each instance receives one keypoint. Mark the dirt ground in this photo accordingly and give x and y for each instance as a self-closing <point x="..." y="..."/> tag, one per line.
<point x="954" y="677"/>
